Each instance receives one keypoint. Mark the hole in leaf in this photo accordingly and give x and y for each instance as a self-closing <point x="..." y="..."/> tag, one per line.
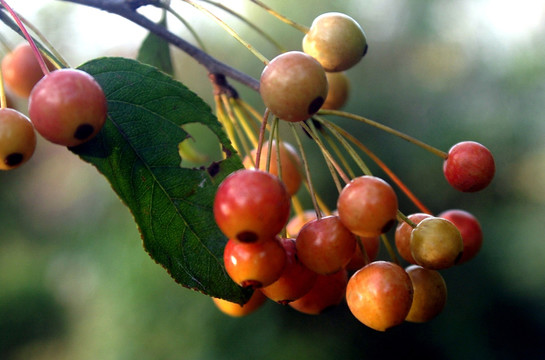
<point x="200" y="148"/>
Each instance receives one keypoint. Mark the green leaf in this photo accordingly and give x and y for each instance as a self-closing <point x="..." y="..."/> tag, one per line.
<point x="155" y="50"/>
<point x="137" y="151"/>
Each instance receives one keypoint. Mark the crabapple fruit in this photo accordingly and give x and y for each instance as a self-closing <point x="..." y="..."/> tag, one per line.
<point x="236" y="310"/>
<point x="254" y="264"/>
<point x="470" y="229"/>
<point x="21" y="71"/>
<point x="67" y="107"/>
<point x="325" y="245"/>
<point x="367" y="206"/>
<point x="336" y="40"/>
<point x="469" y="166"/>
<point x="380" y="295"/>
<point x="293" y="86"/>
<point x="17" y="139"/>
<point x="430" y="293"/>
<point x="251" y="205"/>
<point x="328" y="291"/>
<point x="403" y="236"/>
<point x="296" y="279"/>
<point x="436" y="243"/>
<point x="339" y="87"/>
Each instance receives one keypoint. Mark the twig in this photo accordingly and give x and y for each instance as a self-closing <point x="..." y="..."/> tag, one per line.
<point x="128" y="10"/>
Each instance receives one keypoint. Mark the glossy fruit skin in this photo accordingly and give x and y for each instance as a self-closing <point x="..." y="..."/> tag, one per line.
<point x="367" y="206"/>
<point x="380" y="295"/>
<point x="430" y="294"/>
<point x="339" y="89"/>
<point x="290" y="163"/>
<point x="17" y="139"/>
<point x="21" y="71"/>
<point x="470" y="229"/>
<point x="328" y="291"/>
<point x="67" y="107"/>
<point x="236" y="310"/>
<point x="469" y="167"/>
<point x="325" y="245"/>
<point x="293" y="86"/>
<point x="403" y="236"/>
<point x="336" y="40"/>
<point x="436" y="243"/>
<point x="296" y="279"/>
<point x="251" y="205"/>
<point x="372" y="247"/>
<point x="255" y="264"/>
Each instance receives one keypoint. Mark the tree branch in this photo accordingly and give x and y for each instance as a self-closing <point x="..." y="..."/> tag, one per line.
<point x="128" y="10"/>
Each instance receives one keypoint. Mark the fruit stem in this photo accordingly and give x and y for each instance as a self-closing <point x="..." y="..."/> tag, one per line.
<point x="3" y="100"/>
<point x="261" y="137"/>
<point x="387" y="129"/>
<point x="347" y="146"/>
<point x="326" y="153"/>
<point x="236" y="124"/>
<point x="187" y="25"/>
<point x="57" y="58"/>
<point x="222" y="118"/>
<point x="281" y="17"/>
<point x="362" y="249"/>
<point x="383" y="166"/>
<point x="272" y="134"/>
<point x="389" y="248"/>
<point x="241" y="116"/>
<point x="254" y="27"/>
<point x="229" y="30"/>
<point x="402" y="217"/>
<point x="307" y="171"/>
<point x="21" y="26"/>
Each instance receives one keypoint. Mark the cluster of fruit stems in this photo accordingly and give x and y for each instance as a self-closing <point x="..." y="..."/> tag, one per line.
<point x="244" y="125"/>
<point x="246" y="128"/>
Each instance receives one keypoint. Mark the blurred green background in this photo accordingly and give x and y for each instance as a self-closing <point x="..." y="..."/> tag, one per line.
<point x="75" y="282"/>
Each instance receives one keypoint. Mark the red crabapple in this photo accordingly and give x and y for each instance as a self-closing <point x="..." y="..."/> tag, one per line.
<point x="470" y="229"/>
<point x="67" y="107"/>
<point x="296" y="279"/>
<point x="328" y="291"/>
<point x="325" y="245"/>
<point x="254" y="264"/>
<point x="367" y="206"/>
<point x="380" y="295"/>
<point x="469" y="166"/>
<point x="21" y="71"/>
<point x="293" y="86"/>
<point x="236" y="310"/>
<point x="250" y="205"/>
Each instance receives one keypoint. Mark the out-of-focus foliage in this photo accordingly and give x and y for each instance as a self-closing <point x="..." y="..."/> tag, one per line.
<point x="76" y="283"/>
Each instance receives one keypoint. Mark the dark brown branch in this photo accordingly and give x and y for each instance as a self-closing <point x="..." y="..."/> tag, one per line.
<point x="128" y="10"/>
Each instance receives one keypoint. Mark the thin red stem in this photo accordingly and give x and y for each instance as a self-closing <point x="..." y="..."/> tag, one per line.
<point x="35" y="49"/>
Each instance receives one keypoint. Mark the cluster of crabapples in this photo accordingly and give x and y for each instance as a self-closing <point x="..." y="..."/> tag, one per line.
<point x="65" y="106"/>
<point x="310" y="261"/>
